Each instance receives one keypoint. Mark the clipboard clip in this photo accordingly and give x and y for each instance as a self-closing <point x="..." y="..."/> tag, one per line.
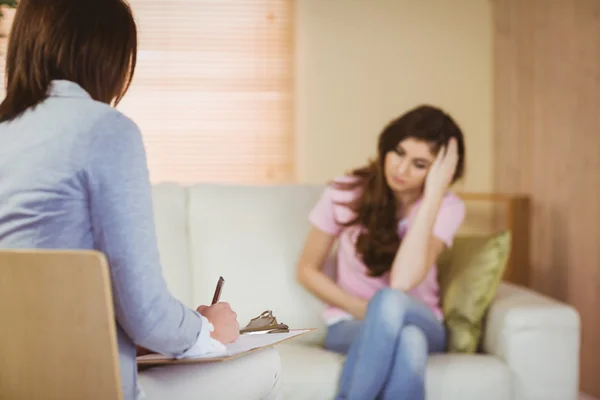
<point x="266" y="322"/>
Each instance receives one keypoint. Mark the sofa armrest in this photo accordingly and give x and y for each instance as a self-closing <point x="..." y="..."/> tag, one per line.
<point x="539" y="339"/>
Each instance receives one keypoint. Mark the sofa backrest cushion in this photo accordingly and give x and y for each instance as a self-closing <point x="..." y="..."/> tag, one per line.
<point x="171" y="220"/>
<point x="252" y="236"/>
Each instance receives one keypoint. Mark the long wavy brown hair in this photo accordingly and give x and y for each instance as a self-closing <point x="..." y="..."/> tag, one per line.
<point x="375" y="206"/>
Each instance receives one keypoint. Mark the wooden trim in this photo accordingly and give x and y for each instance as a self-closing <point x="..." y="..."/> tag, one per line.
<point x="491" y="197"/>
<point x="518" y="222"/>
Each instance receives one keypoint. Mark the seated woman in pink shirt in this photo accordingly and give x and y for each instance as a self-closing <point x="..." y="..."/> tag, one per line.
<point x="391" y="219"/>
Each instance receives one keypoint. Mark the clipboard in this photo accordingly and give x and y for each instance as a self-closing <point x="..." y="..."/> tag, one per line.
<point x="245" y="344"/>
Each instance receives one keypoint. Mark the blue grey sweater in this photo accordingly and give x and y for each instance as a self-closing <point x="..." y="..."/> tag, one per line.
<point x="73" y="175"/>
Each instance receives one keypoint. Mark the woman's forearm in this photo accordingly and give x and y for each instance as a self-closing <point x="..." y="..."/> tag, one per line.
<point x="329" y="292"/>
<point x="412" y="260"/>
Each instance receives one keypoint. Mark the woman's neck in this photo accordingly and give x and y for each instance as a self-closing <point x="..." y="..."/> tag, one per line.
<point x="405" y="201"/>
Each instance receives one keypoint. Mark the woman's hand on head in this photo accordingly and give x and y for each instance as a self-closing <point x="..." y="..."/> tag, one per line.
<point x="442" y="170"/>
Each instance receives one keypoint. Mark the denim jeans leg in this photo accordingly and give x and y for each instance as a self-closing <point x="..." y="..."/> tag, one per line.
<point x="371" y="359"/>
<point x="341" y="335"/>
<point x="407" y="378"/>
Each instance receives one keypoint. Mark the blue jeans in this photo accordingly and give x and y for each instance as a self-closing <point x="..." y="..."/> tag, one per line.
<point x="387" y="352"/>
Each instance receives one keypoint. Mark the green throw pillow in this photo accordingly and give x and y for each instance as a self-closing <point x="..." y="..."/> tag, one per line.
<point x="469" y="274"/>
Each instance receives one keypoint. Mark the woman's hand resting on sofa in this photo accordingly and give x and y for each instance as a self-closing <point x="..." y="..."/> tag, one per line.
<point x="224" y="319"/>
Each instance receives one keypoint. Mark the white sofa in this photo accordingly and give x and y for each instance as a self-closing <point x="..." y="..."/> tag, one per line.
<point x="252" y="237"/>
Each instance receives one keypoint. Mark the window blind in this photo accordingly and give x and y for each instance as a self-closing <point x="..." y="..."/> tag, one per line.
<point x="212" y="93"/>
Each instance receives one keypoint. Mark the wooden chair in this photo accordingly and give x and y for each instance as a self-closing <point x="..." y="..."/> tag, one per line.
<point x="57" y="329"/>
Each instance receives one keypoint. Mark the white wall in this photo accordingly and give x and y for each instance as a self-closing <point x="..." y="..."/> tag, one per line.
<point x="360" y="63"/>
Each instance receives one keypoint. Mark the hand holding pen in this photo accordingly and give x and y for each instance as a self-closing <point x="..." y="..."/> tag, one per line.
<point x="223" y="318"/>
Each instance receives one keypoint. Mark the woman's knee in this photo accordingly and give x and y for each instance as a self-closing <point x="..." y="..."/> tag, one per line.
<point x="387" y="308"/>
<point x="413" y="348"/>
<point x="270" y="360"/>
<point x="257" y="376"/>
<point x="390" y="302"/>
<point x="261" y="373"/>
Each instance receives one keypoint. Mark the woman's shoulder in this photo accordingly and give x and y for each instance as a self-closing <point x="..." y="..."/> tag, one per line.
<point x="452" y="207"/>
<point x="106" y="126"/>
<point x="450" y="218"/>
<point x="344" y="188"/>
<point x="82" y="116"/>
<point x="108" y="117"/>
<point x="334" y="207"/>
<point x="346" y="179"/>
<point x="102" y="134"/>
<point x="452" y="200"/>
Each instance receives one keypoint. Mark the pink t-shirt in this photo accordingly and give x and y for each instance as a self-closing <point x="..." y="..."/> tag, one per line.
<point x="352" y="272"/>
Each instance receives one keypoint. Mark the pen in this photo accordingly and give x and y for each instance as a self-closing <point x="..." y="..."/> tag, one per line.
<point x="218" y="290"/>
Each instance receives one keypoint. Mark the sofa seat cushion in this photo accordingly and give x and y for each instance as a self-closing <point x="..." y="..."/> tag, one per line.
<point x="310" y="372"/>
<point x="468" y="377"/>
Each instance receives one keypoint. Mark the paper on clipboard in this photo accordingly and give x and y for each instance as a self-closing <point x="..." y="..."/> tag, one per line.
<point x="245" y="344"/>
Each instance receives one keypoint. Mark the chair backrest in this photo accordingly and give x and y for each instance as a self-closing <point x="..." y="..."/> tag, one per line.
<point x="57" y="326"/>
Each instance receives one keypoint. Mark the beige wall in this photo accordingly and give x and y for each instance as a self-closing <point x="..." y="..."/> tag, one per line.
<point x="361" y="63"/>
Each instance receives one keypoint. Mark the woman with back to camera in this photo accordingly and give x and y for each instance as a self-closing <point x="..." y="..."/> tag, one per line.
<point x="391" y="219"/>
<point x="73" y="175"/>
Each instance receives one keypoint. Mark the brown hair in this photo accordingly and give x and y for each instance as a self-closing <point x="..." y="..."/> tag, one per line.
<point x="92" y="43"/>
<point x="375" y="206"/>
